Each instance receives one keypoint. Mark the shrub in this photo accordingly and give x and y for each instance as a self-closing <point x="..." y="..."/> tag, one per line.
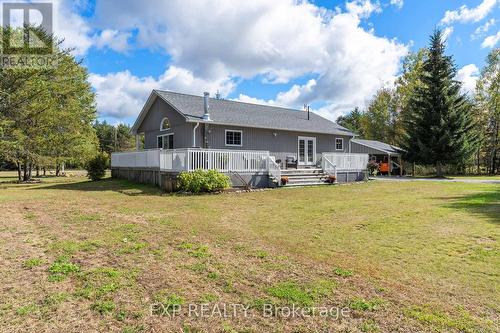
<point x="203" y="181"/>
<point x="372" y="167"/>
<point x="96" y="167"/>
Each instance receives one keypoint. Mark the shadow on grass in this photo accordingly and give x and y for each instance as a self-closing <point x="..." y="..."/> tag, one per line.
<point x="485" y="203"/>
<point x="116" y="185"/>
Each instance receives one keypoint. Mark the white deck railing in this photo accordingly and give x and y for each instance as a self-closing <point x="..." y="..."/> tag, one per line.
<point x="274" y="169"/>
<point x="328" y="166"/>
<point x="137" y="159"/>
<point x="347" y="162"/>
<point x="190" y="159"/>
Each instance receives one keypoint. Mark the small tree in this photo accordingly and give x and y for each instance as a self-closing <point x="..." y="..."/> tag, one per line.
<point x="96" y="167"/>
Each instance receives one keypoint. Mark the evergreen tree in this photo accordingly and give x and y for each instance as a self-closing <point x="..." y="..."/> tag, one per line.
<point x="352" y="121"/>
<point x="46" y="114"/>
<point x="440" y="129"/>
<point x="114" y="138"/>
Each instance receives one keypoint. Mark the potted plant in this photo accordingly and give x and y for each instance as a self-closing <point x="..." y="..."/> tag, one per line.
<point x="372" y="167"/>
<point x="284" y="180"/>
<point x="331" y="179"/>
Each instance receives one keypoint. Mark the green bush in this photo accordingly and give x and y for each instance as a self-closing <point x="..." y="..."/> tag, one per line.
<point x="96" y="167"/>
<point x="203" y="181"/>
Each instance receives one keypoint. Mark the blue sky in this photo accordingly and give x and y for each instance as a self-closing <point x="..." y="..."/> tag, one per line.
<point x="332" y="55"/>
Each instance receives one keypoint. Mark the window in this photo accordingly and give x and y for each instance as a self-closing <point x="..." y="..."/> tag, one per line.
<point x="233" y="138"/>
<point x="339" y="144"/>
<point x="165" y="124"/>
<point x="166" y="141"/>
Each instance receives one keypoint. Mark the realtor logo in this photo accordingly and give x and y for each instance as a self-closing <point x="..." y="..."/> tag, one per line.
<point x="26" y="27"/>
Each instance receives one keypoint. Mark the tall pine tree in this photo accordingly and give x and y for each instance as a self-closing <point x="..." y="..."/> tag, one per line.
<point x="440" y="128"/>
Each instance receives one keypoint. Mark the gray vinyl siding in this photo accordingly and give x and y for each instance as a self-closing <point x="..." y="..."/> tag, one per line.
<point x="285" y="143"/>
<point x="183" y="132"/>
<point x="356" y="148"/>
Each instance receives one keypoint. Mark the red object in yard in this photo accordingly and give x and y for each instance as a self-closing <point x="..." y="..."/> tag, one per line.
<point x="383" y="167"/>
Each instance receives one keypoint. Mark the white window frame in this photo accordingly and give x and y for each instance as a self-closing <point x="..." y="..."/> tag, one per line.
<point x="341" y="140"/>
<point x="162" y="136"/>
<point x="233" y="145"/>
<point x="161" y="125"/>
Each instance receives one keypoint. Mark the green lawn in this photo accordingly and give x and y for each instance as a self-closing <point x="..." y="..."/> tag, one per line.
<point x="407" y="256"/>
<point x="483" y="177"/>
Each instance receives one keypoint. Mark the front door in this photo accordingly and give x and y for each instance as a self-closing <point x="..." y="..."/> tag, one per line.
<point x="307" y="150"/>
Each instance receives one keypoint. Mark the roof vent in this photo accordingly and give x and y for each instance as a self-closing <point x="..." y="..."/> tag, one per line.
<point x="206" y="107"/>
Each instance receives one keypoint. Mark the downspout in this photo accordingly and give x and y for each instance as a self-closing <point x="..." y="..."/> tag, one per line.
<point x="194" y="134"/>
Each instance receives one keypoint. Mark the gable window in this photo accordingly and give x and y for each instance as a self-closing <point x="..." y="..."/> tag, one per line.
<point x="165" y="124"/>
<point x="234" y="138"/>
<point x="166" y="141"/>
<point x="339" y="144"/>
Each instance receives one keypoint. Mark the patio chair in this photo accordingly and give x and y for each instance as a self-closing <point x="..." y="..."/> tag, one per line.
<point x="291" y="161"/>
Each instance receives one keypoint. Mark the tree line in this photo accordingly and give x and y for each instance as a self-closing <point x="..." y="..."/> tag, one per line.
<point x="428" y="114"/>
<point x="48" y="115"/>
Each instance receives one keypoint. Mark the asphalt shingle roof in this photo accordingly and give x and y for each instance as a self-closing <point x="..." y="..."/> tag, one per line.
<point x="235" y="113"/>
<point x="385" y="147"/>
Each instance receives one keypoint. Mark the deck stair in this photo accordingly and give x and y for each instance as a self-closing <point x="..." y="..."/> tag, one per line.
<point x="305" y="177"/>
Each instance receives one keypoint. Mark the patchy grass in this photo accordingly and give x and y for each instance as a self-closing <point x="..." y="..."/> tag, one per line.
<point x="290" y="292"/>
<point x="103" y="307"/>
<point x="97" y="255"/>
<point x="61" y="268"/>
<point x="366" y="305"/>
<point x="461" y="320"/>
<point x="369" y="326"/>
<point x="342" y="272"/>
<point x="33" y="262"/>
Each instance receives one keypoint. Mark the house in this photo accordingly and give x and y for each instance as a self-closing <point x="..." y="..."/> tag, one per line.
<point x="381" y="153"/>
<point x="254" y="144"/>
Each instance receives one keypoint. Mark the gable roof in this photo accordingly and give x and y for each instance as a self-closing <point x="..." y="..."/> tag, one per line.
<point x="233" y="113"/>
<point x="378" y="145"/>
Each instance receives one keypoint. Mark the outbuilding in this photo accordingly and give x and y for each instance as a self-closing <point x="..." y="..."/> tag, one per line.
<point x="382" y="153"/>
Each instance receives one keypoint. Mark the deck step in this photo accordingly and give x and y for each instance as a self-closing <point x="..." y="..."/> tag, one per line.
<point x="295" y="176"/>
<point x="307" y="184"/>
<point x="305" y="177"/>
<point x="301" y="171"/>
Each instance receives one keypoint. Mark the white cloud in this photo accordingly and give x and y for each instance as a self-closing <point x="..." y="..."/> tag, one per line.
<point x="71" y="27"/>
<point x="397" y="3"/>
<point x="468" y="75"/>
<point x="113" y="39"/>
<point x="491" y="41"/>
<point x="122" y="94"/>
<point x="447" y="33"/>
<point x="279" y="40"/>
<point x="481" y="30"/>
<point x="363" y="8"/>
<point x="465" y="14"/>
